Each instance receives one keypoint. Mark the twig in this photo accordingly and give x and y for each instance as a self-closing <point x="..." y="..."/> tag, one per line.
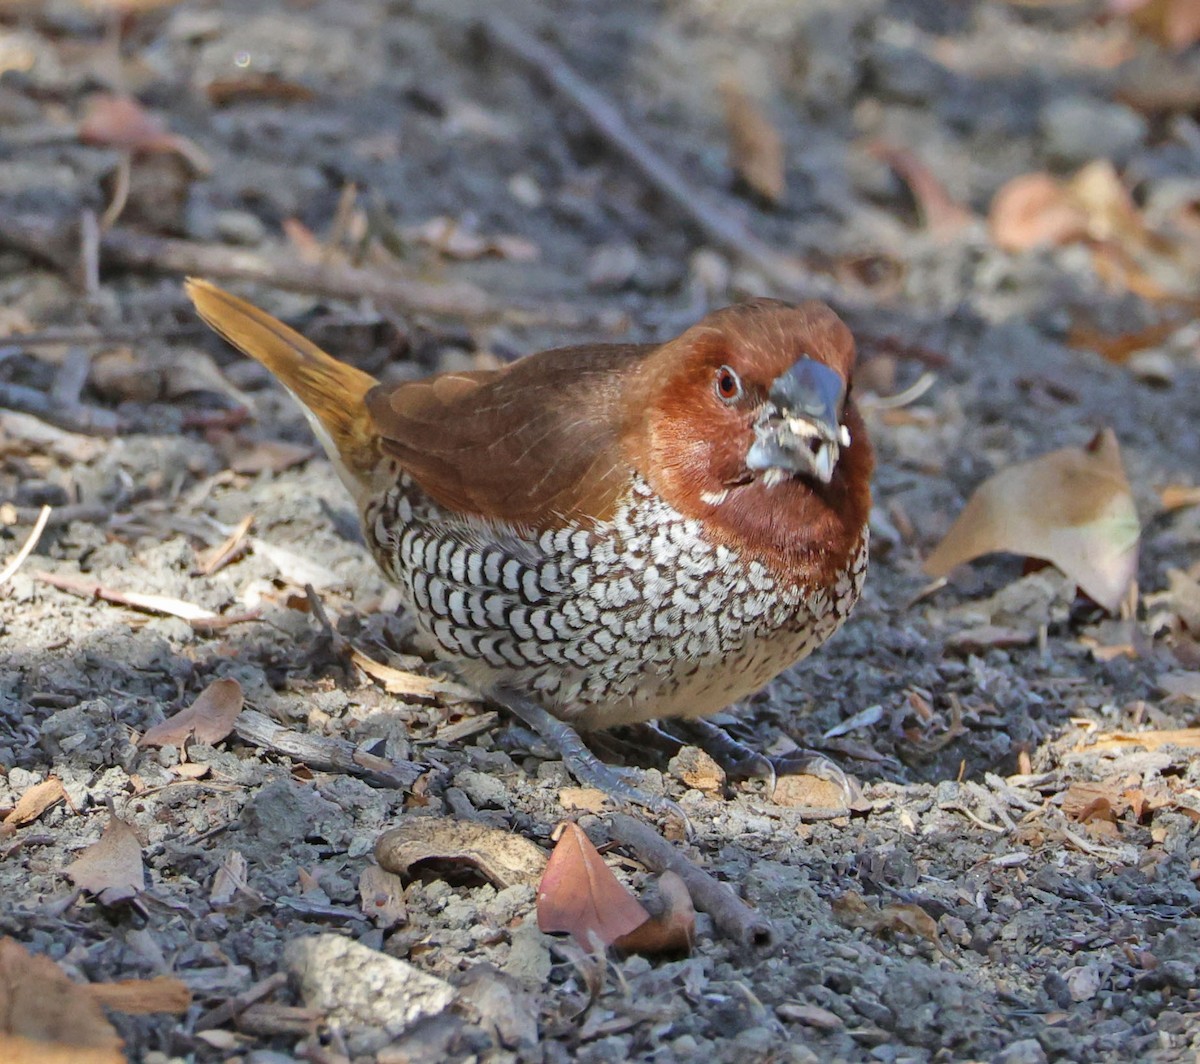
<point x="321" y="752"/>
<point x="730" y="914"/>
<point x="230" y="1008"/>
<point x="58" y="245"/>
<point x="99" y="338"/>
<point x="89" y="513"/>
<point x="712" y="219"/>
<point x="27" y="547"/>
<point x="89" y="253"/>
<point x="71" y="377"/>
<point x="74" y="417"/>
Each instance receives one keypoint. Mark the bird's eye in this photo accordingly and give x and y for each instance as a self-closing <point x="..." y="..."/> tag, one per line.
<point x="729" y="385"/>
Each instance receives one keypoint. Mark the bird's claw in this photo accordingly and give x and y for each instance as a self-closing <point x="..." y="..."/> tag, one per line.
<point x="585" y="766"/>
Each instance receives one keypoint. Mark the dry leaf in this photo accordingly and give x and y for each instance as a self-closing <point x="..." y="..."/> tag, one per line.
<point x="853" y="910"/>
<point x="1033" y="211"/>
<point x="121" y="122"/>
<point x="1179" y="496"/>
<point x="207" y="720"/>
<point x="755" y="147"/>
<point x="295" y="568"/>
<point x="265" y="456"/>
<point x="111" y="868"/>
<point x="579" y="894"/>
<point x="1072" y="508"/>
<point x="502" y="857"/>
<point x="402" y="682"/>
<point x="671" y="931"/>
<point x="1175" y="23"/>
<point x="47" y="1019"/>
<point x="583" y="799"/>
<point x="259" y="86"/>
<point x="35" y="801"/>
<point x="382" y="897"/>
<point x="139" y="997"/>
<point x="939" y="211"/>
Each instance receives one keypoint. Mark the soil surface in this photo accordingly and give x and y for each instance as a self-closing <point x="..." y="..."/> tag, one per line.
<point x="1004" y="887"/>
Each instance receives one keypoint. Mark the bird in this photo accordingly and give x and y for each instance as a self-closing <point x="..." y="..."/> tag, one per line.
<point x="609" y="533"/>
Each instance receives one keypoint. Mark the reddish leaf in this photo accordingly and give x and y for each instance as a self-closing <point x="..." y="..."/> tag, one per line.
<point x="207" y="720"/>
<point x="580" y="895"/>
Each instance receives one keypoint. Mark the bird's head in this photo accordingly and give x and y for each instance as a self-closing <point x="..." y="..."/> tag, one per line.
<point x="748" y="417"/>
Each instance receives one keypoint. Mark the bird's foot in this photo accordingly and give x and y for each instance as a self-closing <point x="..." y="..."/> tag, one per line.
<point x="742" y="762"/>
<point x="585" y="766"/>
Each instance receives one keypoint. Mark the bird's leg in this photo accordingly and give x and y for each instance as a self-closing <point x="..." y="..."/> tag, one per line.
<point x="585" y="766"/>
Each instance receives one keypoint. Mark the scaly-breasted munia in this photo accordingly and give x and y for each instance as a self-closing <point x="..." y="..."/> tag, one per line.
<point x="619" y="532"/>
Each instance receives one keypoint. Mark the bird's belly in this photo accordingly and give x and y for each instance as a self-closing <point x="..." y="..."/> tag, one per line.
<point x="639" y="618"/>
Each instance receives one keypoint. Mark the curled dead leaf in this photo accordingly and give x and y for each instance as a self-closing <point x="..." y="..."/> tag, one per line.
<point x="579" y="894"/>
<point x="35" y="801"/>
<point x="1072" y="508"/>
<point x="503" y="858"/>
<point x="114" y="121"/>
<point x="207" y="720"/>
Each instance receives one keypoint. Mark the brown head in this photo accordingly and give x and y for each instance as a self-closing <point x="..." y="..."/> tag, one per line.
<point x="749" y="426"/>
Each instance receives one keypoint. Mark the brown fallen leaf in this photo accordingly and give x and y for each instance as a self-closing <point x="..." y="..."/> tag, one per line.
<point x="579" y="894"/>
<point x="673" y="930"/>
<point x="502" y="857"/>
<point x="35" y="801"/>
<point x="114" y="121"/>
<point x="1179" y="496"/>
<point x="1072" y="508"/>
<point x="139" y="997"/>
<point x="47" y="1019"/>
<point x="853" y="910"/>
<point x="207" y="720"/>
<point x="402" y="682"/>
<point x="940" y="213"/>
<point x="111" y="868"/>
<point x="264" y="456"/>
<point x="260" y="86"/>
<point x="209" y="561"/>
<point x="1032" y="211"/>
<point x="1175" y="23"/>
<point x="756" y="152"/>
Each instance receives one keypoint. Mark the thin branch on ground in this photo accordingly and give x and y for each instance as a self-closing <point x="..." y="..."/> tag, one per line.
<point x="717" y="223"/>
<point x="732" y="916"/>
<point x="324" y="753"/>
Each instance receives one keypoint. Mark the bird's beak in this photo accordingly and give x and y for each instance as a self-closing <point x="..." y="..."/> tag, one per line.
<point x="799" y="431"/>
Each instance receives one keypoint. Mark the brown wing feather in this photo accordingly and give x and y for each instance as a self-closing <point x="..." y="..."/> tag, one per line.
<point x="537" y="440"/>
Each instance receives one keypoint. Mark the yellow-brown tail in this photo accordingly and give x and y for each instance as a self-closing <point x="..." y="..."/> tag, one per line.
<point x="331" y="392"/>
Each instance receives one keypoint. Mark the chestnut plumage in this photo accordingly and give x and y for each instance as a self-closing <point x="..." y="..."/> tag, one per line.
<point x="619" y="531"/>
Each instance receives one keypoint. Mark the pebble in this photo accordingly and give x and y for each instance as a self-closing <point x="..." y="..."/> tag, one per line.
<point x="1025" y="1051"/>
<point x="240" y="227"/>
<point x="1077" y="129"/>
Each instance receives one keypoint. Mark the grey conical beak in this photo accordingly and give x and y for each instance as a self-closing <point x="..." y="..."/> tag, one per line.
<point x="799" y="431"/>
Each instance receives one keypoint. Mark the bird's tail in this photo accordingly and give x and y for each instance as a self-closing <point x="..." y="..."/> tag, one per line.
<point x="332" y="393"/>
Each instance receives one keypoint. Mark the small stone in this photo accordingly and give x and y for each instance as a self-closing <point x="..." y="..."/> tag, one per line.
<point x="369" y="997"/>
<point x="240" y="227"/>
<point x="612" y="266"/>
<point x="809" y="1015"/>
<point x="485" y="791"/>
<point x="1025" y="1051"/>
<point x="697" y="769"/>
<point x="1078" y="129"/>
<point x="1153" y="366"/>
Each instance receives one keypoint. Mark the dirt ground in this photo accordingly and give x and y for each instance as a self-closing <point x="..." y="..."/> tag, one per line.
<point x="1062" y="874"/>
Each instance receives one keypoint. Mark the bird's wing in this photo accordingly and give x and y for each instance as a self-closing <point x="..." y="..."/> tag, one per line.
<point x="531" y="444"/>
